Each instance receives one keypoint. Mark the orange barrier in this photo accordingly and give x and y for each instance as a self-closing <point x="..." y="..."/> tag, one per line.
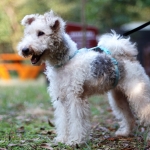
<point x="9" y="62"/>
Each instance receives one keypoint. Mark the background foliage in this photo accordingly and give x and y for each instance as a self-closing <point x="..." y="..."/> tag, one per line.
<point x="110" y="14"/>
<point x="105" y="14"/>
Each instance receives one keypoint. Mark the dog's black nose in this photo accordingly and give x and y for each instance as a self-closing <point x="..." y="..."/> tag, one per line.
<point x="25" y="51"/>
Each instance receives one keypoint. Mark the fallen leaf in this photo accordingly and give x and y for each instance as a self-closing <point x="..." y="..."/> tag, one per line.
<point x="3" y="149"/>
<point x="12" y="145"/>
<point x="50" y="123"/>
<point x="42" y="128"/>
<point x="46" y="146"/>
<point x="126" y="139"/>
<point x="112" y="138"/>
<point x="20" y="129"/>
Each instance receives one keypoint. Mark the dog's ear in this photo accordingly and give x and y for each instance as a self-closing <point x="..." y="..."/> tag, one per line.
<point x="55" y="22"/>
<point x="28" y="19"/>
<point x="55" y="27"/>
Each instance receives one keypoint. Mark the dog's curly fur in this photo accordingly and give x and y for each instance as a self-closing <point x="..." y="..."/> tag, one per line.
<point x="74" y="80"/>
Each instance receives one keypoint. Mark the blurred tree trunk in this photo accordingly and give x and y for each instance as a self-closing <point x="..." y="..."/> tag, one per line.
<point x="83" y="22"/>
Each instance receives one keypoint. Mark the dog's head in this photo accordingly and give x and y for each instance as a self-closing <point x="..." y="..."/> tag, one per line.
<point x="41" y="36"/>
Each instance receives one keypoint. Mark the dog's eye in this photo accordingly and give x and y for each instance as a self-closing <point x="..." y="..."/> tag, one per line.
<point x="40" y="33"/>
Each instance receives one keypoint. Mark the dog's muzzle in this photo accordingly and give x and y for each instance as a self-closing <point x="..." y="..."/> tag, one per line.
<point x="35" y="57"/>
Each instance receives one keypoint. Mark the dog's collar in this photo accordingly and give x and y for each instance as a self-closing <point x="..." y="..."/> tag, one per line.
<point x="99" y="49"/>
<point x="70" y="57"/>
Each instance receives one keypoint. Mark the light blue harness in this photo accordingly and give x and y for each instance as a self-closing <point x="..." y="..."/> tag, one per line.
<point x="98" y="49"/>
<point x="114" y="61"/>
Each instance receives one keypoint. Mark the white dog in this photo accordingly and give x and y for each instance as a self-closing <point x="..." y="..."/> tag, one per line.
<point x="75" y="75"/>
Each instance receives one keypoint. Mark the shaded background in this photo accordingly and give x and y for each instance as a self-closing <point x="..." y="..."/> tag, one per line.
<point x="26" y="113"/>
<point x="102" y="14"/>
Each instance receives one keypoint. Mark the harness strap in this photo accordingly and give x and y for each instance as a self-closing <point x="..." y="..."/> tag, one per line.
<point x="99" y="49"/>
<point x="114" y="61"/>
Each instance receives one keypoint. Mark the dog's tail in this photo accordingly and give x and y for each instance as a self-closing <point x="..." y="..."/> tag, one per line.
<point x="118" y="45"/>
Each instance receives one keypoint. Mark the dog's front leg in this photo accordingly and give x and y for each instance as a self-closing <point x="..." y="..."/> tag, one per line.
<point x="79" y="124"/>
<point x="60" y="121"/>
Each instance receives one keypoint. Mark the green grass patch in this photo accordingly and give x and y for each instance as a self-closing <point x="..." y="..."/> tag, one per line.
<point x="26" y="114"/>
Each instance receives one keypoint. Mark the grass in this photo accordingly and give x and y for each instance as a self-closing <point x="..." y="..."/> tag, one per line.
<point x="26" y="117"/>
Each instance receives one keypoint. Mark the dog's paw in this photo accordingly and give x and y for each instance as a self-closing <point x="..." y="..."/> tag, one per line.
<point x="122" y="132"/>
<point x="59" y="140"/>
<point x="75" y="142"/>
<point x="125" y="128"/>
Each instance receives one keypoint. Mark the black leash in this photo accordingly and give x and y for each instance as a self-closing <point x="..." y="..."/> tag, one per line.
<point x="136" y="29"/>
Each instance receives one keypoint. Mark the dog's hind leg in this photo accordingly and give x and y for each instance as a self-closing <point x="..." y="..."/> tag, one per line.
<point x="138" y="91"/>
<point x="136" y="85"/>
<point x="122" y="111"/>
